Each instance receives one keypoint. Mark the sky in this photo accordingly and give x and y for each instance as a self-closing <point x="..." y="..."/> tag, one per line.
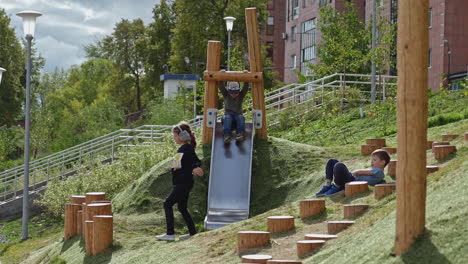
<point x="66" y="26"/>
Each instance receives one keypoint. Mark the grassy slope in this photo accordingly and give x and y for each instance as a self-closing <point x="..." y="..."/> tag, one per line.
<point x="291" y="172"/>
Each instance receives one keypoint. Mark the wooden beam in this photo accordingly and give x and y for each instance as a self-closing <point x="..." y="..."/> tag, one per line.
<point x="211" y="87"/>
<point x="412" y="53"/>
<point x="235" y="76"/>
<point x="255" y="59"/>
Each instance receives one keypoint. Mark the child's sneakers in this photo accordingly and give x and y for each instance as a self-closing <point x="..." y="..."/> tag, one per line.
<point x="227" y="139"/>
<point x="324" y="189"/>
<point x="334" y="190"/>
<point x="240" y="137"/>
<point x="166" y="237"/>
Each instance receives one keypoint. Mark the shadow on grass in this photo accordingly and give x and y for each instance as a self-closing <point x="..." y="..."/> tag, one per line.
<point x="315" y="218"/>
<point x="424" y="251"/>
<point x="284" y="233"/>
<point x="68" y="243"/>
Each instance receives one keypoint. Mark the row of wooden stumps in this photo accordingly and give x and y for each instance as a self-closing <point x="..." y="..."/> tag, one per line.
<point x="311" y="242"/>
<point x="91" y="217"/>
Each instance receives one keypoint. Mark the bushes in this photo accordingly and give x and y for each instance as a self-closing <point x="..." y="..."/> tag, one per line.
<point x="443" y="119"/>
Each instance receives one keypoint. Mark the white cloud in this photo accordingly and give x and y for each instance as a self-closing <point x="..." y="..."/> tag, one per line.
<point x="67" y="25"/>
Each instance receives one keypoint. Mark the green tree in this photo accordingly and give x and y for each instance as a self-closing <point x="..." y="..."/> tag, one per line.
<point x="12" y="59"/>
<point x="345" y="42"/>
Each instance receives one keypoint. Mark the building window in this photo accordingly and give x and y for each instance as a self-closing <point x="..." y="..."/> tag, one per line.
<point x="381" y="3"/>
<point x="323" y="3"/>
<point x="430" y="17"/>
<point x="271" y="21"/>
<point x="308" y="44"/>
<point x="430" y="58"/>
<point x="293" y="33"/>
<point x="304" y="3"/>
<point x="293" y="61"/>
<point x="295" y="8"/>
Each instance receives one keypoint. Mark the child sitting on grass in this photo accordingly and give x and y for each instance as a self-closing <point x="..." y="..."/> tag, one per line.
<point x="338" y="173"/>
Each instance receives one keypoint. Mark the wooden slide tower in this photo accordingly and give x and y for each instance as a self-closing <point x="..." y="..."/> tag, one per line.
<point x="213" y="75"/>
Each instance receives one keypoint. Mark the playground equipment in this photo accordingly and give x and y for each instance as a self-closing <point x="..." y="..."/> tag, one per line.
<point x="231" y="164"/>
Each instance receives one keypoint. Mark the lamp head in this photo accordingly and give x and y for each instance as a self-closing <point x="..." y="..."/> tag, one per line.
<point x="29" y="21"/>
<point x="229" y="22"/>
<point x="1" y="72"/>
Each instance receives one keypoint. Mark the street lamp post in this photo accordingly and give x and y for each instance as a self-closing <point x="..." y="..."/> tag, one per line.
<point x="1" y="73"/>
<point x="229" y="24"/>
<point x="29" y="25"/>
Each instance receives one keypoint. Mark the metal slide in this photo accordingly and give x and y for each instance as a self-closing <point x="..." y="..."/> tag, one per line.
<point x="229" y="186"/>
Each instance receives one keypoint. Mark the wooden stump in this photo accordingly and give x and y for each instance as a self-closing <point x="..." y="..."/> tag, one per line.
<point x="439" y="143"/>
<point x="431" y="169"/>
<point x="334" y="227"/>
<point x="319" y="237"/>
<point x="252" y="239"/>
<point x="447" y="137"/>
<point x="255" y="258"/>
<point x="94" y="196"/>
<point x="441" y="152"/>
<point x="352" y="210"/>
<point x="306" y="246"/>
<point x="390" y="150"/>
<point x="429" y="144"/>
<point x="102" y="233"/>
<point x="281" y="261"/>
<point x="381" y="190"/>
<point x="466" y="136"/>
<point x="280" y="223"/>
<point x="96" y="209"/>
<point x="70" y="223"/>
<point x="78" y="199"/>
<point x="88" y="234"/>
<point x="311" y="207"/>
<point x="355" y="187"/>
<point x="79" y="222"/>
<point x="367" y="149"/>
<point x="101" y="201"/>
<point x="378" y="142"/>
<point x="391" y="168"/>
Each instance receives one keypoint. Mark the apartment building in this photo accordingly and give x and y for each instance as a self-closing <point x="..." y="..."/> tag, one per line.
<point x="448" y="39"/>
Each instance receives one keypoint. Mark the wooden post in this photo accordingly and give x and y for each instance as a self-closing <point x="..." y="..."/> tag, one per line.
<point x="367" y="149"/>
<point x="352" y="210"/>
<point x="381" y="190"/>
<point x="211" y="87"/>
<point x="70" y="223"/>
<point x="311" y="207"/>
<point x="102" y="233"/>
<point x="356" y="187"/>
<point x="379" y="142"/>
<point x="306" y="246"/>
<point x="390" y="150"/>
<point x="334" y="227"/>
<point x="441" y="152"/>
<point x="319" y="237"/>
<point x="79" y="222"/>
<point x="232" y="76"/>
<point x="466" y="136"/>
<point x="88" y="234"/>
<point x="391" y="168"/>
<point x="255" y="59"/>
<point x="412" y="96"/>
<point x="252" y="239"/>
<point x="96" y="209"/>
<point x="94" y="196"/>
<point x="431" y="169"/>
<point x="439" y="143"/>
<point x="280" y="223"/>
<point x="255" y="258"/>
<point x="429" y="144"/>
<point x="78" y="199"/>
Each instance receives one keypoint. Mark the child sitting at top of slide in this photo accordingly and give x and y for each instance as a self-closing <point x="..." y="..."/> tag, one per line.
<point x="339" y="174"/>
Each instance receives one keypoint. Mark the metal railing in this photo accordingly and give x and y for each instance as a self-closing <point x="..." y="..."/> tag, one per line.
<point x="61" y="164"/>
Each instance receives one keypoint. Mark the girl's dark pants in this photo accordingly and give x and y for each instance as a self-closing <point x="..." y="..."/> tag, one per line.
<point x="338" y="172"/>
<point x="179" y="195"/>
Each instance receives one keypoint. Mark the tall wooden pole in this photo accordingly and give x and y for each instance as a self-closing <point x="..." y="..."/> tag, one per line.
<point x="412" y="53"/>
<point x="255" y="59"/>
<point x="211" y="87"/>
